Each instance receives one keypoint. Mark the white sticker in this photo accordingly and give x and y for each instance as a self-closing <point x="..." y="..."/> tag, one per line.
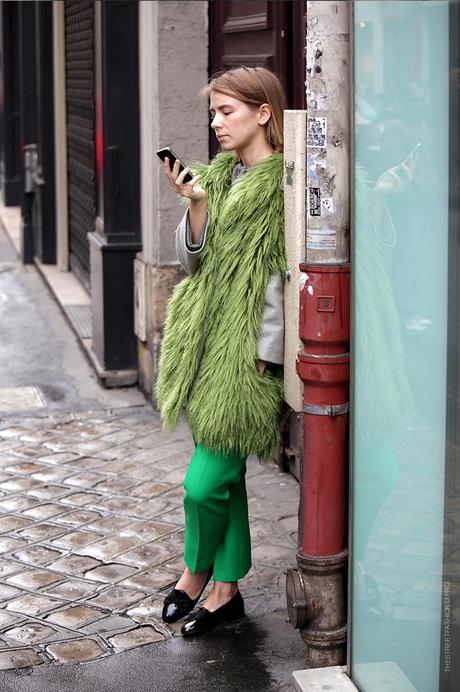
<point x="302" y="280"/>
<point x="316" y="132"/>
<point x="321" y="239"/>
<point x="327" y="204"/>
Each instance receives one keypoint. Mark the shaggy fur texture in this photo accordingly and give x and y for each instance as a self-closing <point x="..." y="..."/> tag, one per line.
<point x="208" y="363"/>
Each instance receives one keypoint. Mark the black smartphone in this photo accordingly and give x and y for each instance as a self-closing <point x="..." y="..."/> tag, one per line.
<point x="168" y="152"/>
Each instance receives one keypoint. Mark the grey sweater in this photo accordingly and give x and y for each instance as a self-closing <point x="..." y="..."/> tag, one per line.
<point x="270" y="345"/>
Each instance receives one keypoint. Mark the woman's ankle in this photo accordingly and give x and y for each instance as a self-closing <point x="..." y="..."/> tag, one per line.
<point x="226" y="587"/>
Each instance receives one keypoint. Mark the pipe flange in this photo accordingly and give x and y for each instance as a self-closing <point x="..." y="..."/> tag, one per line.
<point x="296" y="601"/>
<point x="325" y="639"/>
<point x="322" y="564"/>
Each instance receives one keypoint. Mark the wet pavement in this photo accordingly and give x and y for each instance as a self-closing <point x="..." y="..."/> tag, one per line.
<point x="91" y="528"/>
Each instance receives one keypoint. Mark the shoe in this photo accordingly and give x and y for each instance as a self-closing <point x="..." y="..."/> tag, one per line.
<point x="203" y="620"/>
<point x="177" y="603"/>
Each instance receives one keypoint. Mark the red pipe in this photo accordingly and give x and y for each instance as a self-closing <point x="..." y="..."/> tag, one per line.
<point x="324" y="366"/>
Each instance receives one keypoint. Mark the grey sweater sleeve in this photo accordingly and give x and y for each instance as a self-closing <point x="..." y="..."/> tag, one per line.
<point x="188" y="252"/>
<point x="270" y="344"/>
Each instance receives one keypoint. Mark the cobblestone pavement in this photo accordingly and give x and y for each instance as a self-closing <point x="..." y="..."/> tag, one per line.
<point x="91" y="533"/>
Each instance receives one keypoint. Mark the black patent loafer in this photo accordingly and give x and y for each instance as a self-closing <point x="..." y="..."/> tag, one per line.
<point x="178" y="603"/>
<point x="204" y="620"/>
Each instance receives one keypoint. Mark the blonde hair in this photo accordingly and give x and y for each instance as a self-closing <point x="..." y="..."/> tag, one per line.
<point x="255" y="86"/>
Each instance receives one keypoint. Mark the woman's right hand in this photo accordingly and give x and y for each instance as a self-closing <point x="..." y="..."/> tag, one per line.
<point x="192" y="189"/>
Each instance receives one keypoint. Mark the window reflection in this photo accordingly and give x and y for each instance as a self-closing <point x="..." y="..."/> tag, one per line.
<point x="400" y="340"/>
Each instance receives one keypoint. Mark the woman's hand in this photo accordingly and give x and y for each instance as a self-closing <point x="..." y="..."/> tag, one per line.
<point x="262" y="365"/>
<point x="192" y="189"/>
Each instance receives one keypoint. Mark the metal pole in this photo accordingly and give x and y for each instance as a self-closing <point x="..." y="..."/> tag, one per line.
<point x="316" y="589"/>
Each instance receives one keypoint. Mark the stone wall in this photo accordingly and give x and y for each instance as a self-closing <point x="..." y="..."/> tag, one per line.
<point x="173" y="39"/>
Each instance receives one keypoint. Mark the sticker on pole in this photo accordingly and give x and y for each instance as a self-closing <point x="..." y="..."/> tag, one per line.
<point x="321" y="239"/>
<point x="314" y="197"/>
<point x="316" y="132"/>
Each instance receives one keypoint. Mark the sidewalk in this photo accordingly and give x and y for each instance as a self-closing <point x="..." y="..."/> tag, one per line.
<point x="91" y="529"/>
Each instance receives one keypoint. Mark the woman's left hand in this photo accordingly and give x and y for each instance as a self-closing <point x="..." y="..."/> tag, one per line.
<point x="261" y="365"/>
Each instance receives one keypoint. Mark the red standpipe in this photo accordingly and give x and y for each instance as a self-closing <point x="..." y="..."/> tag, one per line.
<point x="324" y="367"/>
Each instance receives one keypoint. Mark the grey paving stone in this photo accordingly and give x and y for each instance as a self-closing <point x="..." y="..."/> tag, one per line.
<point x="10" y="522"/>
<point x="175" y="476"/>
<point x="87" y="463"/>
<point x="33" y="579"/>
<point x="78" y="517"/>
<point x="149" y="555"/>
<point x="81" y="499"/>
<point x="116" y="598"/>
<point x="136" y="637"/>
<point x="118" y="437"/>
<point x="74" y="565"/>
<point x="76" y="650"/>
<point x="37" y="555"/>
<point x="28" y="450"/>
<point x="146" y="530"/>
<point x="120" y="504"/>
<point x="75" y="539"/>
<point x="175" y="496"/>
<point x="17" y="504"/>
<point x="75" y="617"/>
<point x="19" y="658"/>
<point x="8" y="544"/>
<point x="26" y="467"/>
<point x="72" y="589"/>
<point x="151" y="579"/>
<point x="48" y="492"/>
<point x="115" y="485"/>
<point x="150" y="489"/>
<point x="33" y="604"/>
<point x="16" y="484"/>
<point x="109" y="524"/>
<point x="177" y="564"/>
<point x="106" y="549"/>
<point x="45" y="511"/>
<point x="149" y="508"/>
<point x="110" y="573"/>
<point x="110" y="623"/>
<point x="41" y="532"/>
<point x="92" y="446"/>
<point x="85" y="479"/>
<point x="29" y="633"/>
<point x="268" y="554"/>
<point x="8" y="591"/>
<point x="8" y="567"/>
<point x="59" y="457"/>
<point x="174" y="516"/>
<point x="13" y="433"/>
<point x="147" y="611"/>
<point x="6" y="619"/>
<point x="51" y="474"/>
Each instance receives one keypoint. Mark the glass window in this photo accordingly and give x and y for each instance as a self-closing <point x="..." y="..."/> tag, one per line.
<point x="402" y="82"/>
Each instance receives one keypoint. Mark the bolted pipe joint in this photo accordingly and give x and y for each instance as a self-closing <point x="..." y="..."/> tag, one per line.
<point x="315" y="594"/>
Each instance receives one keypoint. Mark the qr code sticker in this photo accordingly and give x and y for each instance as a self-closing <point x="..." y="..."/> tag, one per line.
<point x="316" y="132"/>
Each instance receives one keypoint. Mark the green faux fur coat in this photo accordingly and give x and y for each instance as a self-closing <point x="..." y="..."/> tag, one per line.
<point x="208" y="360"/>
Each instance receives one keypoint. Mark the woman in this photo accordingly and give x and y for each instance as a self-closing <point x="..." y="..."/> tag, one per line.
<point x="222" y="352"/>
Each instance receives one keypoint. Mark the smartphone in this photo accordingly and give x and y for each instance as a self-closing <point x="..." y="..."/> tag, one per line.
<point x="168" y="152"/>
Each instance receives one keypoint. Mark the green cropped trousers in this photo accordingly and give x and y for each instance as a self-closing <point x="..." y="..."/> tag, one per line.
<point x="216" y="515"/>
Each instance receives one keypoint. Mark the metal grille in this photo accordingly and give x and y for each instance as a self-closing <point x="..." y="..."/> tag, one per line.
<point x="80" y="316"/>
<point x="80" y="132"/>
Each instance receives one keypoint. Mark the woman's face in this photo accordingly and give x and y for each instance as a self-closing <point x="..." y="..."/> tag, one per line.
<point x="236" y="123"/>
